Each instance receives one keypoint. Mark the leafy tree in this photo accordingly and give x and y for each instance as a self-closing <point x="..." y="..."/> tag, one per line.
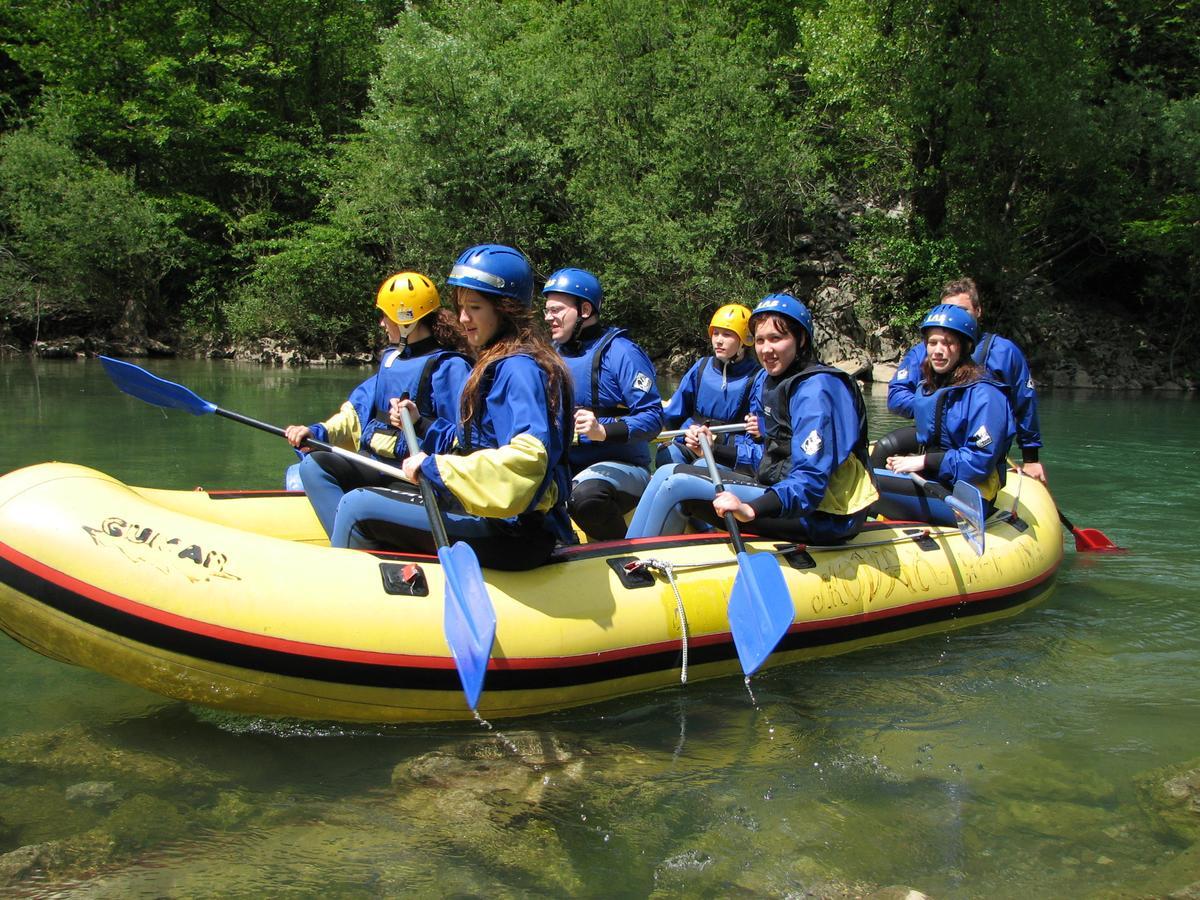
<point x="80" y="248"/>
<point x="643" y="142"/>
<point x="223" y="110"/>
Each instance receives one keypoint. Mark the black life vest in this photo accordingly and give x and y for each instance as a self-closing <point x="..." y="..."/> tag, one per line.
<point x="777" y="449"/>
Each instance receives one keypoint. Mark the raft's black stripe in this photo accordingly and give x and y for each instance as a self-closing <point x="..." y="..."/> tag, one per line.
<point x="252" y="495"/>
<point x="277" y="662"/>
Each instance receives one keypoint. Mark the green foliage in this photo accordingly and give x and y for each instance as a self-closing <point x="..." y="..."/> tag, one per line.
<point x="640" y="141"/>
<point x="898" y="273"/>
<point x="81" y="248"/>
<point x="222" y="112"/>
<point x="264" y="165"/>
<point x="314" y="291"/>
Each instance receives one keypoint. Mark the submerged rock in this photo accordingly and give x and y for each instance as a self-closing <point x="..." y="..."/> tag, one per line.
<point x="94" y="793"/>
<point x="485" y="798"/>
<point x="19" y="864"/>
<point x="74" y="751"/>
<point x="1171" y="796"/>
<point x="1051" y="780"/>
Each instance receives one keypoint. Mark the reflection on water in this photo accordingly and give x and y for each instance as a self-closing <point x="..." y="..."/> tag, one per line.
<point x="1020" y="758"/>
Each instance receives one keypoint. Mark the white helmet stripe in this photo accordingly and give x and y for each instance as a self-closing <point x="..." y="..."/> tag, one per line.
<point x="460" y="271"/>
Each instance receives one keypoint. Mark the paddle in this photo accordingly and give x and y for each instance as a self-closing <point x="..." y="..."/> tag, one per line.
<point x="469" y="620"/>
<point x="967" y="503"/>
<point x="1087" y="540"/>
<point x="715" y="429"/>
<point x="1090" y="540"/>
<point x="760" y="605"/>
<point x="139" y="383"/>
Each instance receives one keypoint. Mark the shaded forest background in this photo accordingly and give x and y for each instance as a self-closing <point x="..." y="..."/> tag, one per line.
<point x="210" y="173"/>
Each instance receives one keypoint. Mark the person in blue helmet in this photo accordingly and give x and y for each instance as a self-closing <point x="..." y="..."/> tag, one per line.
<point x="504" y="473"/>
<point x="964" y="422"/>
<point x="617" y="407"/>
<point x="722" y="389"/>
<point x="812" y="482"/>
<point x="999" y="356"/>
<point x="423" y="361"/>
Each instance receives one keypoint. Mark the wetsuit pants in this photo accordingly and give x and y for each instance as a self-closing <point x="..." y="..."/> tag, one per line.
<point x="395" y="519"/>
<point x="675" y="492"/>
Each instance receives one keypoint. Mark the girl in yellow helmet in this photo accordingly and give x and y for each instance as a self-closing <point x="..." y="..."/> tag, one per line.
<point x="423" y="362"/>
<point x="722" y="389"/>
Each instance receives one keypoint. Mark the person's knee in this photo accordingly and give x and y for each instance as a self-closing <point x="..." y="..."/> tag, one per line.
<point x="671" y="453"/>
<point x="595" y="506"/>
<point x="900" y="442"/>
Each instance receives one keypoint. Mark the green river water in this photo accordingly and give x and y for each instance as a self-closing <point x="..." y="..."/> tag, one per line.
<point x="1025" y="758"/>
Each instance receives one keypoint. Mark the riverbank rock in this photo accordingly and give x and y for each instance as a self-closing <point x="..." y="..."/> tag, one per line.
<point x="62" y="348"/>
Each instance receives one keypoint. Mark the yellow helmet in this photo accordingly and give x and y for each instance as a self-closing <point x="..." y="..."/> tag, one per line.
<point x="407" y="297"/>
<point x="736" y="318"/>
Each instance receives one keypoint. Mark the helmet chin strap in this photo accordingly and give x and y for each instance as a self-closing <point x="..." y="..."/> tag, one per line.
<point x="405" y="331"/>
<point x="580" y="320"/>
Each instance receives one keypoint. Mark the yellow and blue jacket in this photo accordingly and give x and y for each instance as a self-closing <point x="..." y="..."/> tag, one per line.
<point x="511" y="459"/>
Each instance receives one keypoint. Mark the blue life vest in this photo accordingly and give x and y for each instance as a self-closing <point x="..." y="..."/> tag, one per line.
<point x="594" y="393"/>
<point x="409" y="375"/>
<point x="948" y="419"/>
<point x="716" y="403"/>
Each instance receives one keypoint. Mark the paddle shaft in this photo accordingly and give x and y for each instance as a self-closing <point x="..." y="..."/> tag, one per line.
<point x="715" y="429"/>
<point x="436" y="525"/>
<point x="313" y="443"/>
<point x="735" y="533"/>
<point x="939" y="491"/>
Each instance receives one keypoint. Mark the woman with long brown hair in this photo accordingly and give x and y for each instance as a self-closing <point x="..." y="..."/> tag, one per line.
<point x="964" y="422"/>
<point x="504" y="474"/>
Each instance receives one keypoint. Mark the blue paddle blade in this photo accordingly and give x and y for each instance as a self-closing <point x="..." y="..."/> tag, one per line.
<point x="967" y="503"/>
<point x="760" y="609"/>
<point x="470" y="620"/>
<point x="137" y="382"/>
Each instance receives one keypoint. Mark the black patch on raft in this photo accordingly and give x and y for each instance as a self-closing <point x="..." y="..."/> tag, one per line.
<point x="631" y="576"/>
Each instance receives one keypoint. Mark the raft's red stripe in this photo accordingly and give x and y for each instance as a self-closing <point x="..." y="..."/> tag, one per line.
<point x="232" y="635"/>
<point x="219" y="632"/>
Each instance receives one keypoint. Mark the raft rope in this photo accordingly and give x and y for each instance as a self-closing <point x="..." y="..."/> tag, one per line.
<point x="1012" y="514"/>
<point x="784" y="549"/>
<point x="668" y="569"/>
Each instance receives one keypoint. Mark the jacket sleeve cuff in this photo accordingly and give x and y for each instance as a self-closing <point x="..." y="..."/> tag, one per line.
<point x="768" y="505"/>
<point x="933" y="463"/>
<point x="431" y="474"/>
<point x="1029" y="454"/>
<point x="616" y="432"/>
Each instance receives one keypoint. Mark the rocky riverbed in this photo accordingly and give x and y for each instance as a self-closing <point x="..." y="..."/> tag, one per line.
<point x="134" y="811"/>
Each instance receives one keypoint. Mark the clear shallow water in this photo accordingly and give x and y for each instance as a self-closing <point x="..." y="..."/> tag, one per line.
<point x="1001" y="761"/>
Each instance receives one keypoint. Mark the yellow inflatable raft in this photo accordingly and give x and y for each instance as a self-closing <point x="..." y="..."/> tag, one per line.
<point x="235" y="600"/>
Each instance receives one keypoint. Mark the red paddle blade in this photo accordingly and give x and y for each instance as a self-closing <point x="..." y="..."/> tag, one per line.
<point x="1093" y="540"/>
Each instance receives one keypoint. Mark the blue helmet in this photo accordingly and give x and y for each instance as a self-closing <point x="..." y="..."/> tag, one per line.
<point x="494" y="269"/>
<point x="786" y="305"/>
<point x="578" y="283"/>
<point x="953" y="318"/>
